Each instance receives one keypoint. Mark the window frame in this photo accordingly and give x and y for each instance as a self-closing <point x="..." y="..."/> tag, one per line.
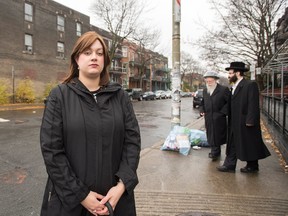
<point x="28" y="43"/>
<point x="28" y="16"/>
<point x="124" y="67"/>
<point x="60" y="26"/>
<point x="61" y="51"/>
<point x="125" y="51"/>
<point x="78" y="29"/>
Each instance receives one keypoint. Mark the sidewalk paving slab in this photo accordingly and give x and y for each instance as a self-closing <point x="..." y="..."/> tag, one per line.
<point x="174" y="184"/>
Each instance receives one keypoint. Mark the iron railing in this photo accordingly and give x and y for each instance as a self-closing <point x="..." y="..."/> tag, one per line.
<point x="276" y="111"/>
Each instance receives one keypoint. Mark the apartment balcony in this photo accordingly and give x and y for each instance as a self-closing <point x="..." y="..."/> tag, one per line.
<point x="117" y="70"/>
<point x="134" y="63"/>
<point x="118" y="54"/>
<point x="161" y="70"/>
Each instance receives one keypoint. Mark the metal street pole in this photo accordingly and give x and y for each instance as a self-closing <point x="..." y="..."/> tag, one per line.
<point x="13" y="85"/>
<point x="175" y="75"/>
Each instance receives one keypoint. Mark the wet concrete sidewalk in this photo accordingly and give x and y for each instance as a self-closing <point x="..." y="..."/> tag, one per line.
<point x="174" y="184"/>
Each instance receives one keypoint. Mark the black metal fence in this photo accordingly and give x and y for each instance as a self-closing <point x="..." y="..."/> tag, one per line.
<point x="276" y="110"/>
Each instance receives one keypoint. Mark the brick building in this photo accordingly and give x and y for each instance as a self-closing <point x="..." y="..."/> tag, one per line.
<point x="37" y="37"/>
<point x="144" y="69"/>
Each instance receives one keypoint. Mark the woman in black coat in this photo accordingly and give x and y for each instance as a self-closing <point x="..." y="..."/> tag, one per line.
<point x="90" y="139"/>
<point x="214" y="108"/>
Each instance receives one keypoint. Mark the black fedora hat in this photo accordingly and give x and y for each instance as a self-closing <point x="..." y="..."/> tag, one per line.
<point x="237" y="66"/>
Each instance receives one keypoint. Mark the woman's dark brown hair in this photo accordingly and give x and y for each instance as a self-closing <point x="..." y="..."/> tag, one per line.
<point x="81" y="45"/>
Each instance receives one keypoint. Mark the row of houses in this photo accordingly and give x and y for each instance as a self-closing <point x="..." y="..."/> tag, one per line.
<point x="37" y="37"/>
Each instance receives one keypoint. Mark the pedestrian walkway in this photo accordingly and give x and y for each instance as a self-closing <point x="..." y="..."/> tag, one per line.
<point x="173" y="184"/>
<point x="20" y="106"/>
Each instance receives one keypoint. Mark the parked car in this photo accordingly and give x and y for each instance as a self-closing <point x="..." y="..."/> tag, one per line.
<point x="185" y="94"/>
<point x="135" y="94"/>
<point x="168" y="94"/>
<point x="149" y="95"/>
<point x="160" y="94"/>
<point x="198" y="97"/>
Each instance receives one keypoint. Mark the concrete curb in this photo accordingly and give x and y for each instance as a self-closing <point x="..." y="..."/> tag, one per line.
<point x="7" y="107"/>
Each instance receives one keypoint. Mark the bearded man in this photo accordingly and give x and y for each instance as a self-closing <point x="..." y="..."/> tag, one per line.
<point x="214" y="108"/>
<point x="245" y="139"/>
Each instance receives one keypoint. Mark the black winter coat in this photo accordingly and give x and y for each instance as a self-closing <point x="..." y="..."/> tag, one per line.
<point x="215" y="107"/>
<point x="88" y="145"/>
<point x="245" y="110"/>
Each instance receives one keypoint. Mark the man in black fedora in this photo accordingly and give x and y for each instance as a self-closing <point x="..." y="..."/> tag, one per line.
<point x="244" y="133"/>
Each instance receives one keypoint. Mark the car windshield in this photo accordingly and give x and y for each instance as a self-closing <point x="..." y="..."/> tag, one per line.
<point x="199" y="93"/>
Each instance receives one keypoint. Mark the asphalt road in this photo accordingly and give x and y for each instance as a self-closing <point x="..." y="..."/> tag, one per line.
<point x="22" y="172"/>
<point x="154" y="118"/>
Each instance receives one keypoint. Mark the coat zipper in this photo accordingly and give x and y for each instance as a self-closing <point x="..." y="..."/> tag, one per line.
<point x="95" y="97"/>
<point x="49" y="196"/>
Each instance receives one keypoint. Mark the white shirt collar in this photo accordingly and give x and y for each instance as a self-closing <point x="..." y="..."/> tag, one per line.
<point x="235" y="85"/>
<point x="237" y="82"/>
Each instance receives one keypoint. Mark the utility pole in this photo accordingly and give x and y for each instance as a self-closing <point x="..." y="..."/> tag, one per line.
<point x="13" y="84"/>
<point x="175" y="75"/>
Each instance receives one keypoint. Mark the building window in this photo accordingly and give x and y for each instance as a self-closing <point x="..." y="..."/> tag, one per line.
<point x="124" y="68"/>
<point x="28" y="12"/>
<point x="109" y="44"/>
<point x="78" y="29"/>
<point x="115" y="65"/>
<point x="132" y="56"/>
<point x="60" y="49"/>
<point x="125" y="51"/>
<point x="28" y="43"/>
<point x="60" y="23"/>
<point x="112" y="65"/>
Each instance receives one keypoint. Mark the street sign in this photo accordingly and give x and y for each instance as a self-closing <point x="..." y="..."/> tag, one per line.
<point x="177" y="10"/>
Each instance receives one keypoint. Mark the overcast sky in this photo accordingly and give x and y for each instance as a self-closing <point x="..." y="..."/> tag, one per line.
<point x="193" y="12"/>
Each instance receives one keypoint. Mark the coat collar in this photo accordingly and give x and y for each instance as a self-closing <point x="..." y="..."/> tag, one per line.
<point x="216" y="90"/>
<point x="106" y="91"/>
<point x="239" y="87"/>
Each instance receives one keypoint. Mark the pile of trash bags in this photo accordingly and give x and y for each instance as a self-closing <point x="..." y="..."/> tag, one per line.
<point x="181" y="139"/>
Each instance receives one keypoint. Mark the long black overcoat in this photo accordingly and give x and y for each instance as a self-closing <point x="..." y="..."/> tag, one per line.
<point x="88" y="145"/>
<point x="215" y="107"/>
<point x="245" y="110"/>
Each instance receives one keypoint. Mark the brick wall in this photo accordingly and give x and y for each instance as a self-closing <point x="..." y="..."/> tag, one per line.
<point x="42" y="65"/>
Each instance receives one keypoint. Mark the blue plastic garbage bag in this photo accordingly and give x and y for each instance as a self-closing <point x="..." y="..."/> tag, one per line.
<point x="198" y="138"/>
<point x="178" y="140"/>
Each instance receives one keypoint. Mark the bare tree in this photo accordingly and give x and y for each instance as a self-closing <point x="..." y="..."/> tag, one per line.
<point x="223" y="81"/>
<point x="189" y="66"/>
<point x="120" y="17"/>
<point x="246" y="34"/>
<point x="147" y="40"/>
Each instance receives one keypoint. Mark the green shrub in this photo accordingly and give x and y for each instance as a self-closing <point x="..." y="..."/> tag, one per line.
<point x="48" y="87"/>
<point x="25" y="92"/>
<point x="186" y="86"/>
<point x="4" y="92"/>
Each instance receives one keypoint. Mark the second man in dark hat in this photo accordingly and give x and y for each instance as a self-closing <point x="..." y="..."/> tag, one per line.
<point x="244" y="136"/>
